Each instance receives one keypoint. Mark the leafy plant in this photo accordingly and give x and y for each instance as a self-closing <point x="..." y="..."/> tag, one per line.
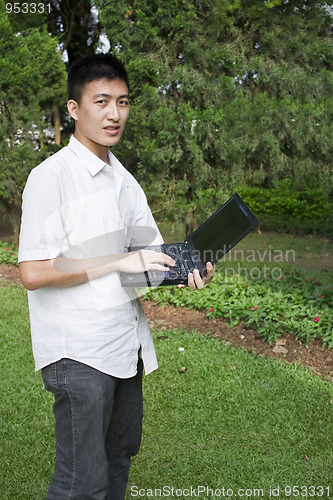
<point x="296" y="303"/>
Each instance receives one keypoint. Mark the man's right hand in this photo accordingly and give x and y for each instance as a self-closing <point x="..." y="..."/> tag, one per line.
<point x="144" y="260"/>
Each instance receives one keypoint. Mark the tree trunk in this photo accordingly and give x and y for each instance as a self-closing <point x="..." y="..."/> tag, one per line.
<point x="15" y="219"/>
<point x="189" y="225"/>
<point x="56" y="120"/>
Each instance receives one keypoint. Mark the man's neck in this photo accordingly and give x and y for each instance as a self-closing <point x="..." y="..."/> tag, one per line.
<point x="99" y="150"/>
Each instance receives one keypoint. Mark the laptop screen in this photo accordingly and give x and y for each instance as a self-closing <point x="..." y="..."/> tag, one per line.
<point x="223" y="230"/>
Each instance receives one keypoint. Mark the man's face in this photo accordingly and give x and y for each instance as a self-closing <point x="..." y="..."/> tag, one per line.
<point x="101" y="116"/>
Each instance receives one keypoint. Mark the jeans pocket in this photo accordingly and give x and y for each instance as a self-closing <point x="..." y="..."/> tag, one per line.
<point x="49" y="376"/>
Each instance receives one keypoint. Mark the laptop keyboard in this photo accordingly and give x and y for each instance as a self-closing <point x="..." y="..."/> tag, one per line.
<point x="181" y="268"/>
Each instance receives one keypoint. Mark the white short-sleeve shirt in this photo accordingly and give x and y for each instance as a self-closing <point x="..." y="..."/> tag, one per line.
<point x="77" y="206"/>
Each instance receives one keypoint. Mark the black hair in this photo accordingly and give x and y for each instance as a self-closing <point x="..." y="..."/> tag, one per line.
<point x="93" y="67"/>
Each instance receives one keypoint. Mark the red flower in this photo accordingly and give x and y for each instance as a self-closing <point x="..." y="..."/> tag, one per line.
<point x="211" y="309"/>
<point x="316" y="319"/>
<point x="254" y="307"/>
<point x="318" y="283"/>
<point x="311" y="279"/>
<point x="7" y="249"/>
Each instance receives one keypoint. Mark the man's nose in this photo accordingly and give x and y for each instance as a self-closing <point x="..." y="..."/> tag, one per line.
<point x="113" y="112"/>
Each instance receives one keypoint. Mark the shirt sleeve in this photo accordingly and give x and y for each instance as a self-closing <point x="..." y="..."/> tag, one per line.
<point x="41" y="234"/>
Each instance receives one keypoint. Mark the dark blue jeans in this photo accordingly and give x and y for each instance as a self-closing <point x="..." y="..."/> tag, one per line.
<point x="98" y="424"/>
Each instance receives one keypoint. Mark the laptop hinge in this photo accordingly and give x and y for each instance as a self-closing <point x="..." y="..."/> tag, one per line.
<point x="195" y="257"/>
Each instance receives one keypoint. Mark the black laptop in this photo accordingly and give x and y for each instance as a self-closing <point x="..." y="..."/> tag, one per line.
<point x="209" y="243"/>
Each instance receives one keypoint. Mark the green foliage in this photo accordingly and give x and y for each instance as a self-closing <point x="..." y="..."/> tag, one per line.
<point x="31" y="70"/>
<point x="32" y="80"/>
<point x="310" y="203"/>
<point x="174" y="92"/>
<point x="224" y="93"/>
<point x="285" y="208"/>
<point x="25" y="15"/>
<point x="317" y="227"/>
<point x="270" y="300"/>
<point x="282" y="208"/>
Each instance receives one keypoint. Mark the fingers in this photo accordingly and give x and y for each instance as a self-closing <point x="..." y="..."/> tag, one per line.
<point x="156" y="260"/>
<point x="209" y="273"/>
<point x="196" y="282"/>
<point x="162" y="258"/>
<point x="150" y="259"/>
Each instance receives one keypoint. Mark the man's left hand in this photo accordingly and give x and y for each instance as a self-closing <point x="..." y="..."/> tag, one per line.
<point x="196" y="282"/>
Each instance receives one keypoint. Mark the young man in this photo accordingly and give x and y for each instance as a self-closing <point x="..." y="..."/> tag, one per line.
<point x="90" y="337"/>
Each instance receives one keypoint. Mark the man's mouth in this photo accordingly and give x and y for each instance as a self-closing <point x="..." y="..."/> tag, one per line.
<point x="112" y="130"/>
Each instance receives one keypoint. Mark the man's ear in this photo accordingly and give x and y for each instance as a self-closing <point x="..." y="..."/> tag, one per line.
<point x="72" y="107"/>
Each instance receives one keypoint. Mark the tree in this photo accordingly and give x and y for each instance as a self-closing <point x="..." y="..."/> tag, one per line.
<point x="32" y="79"/>
<point x="224" y="92"/>
<point x="284" y="72"/>
<point x="168" y="48"/>
<point x="76" y="25"/>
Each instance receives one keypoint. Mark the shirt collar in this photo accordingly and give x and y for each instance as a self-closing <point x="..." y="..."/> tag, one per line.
<point x="118" y="168"/>
<point x="92" y="163"/>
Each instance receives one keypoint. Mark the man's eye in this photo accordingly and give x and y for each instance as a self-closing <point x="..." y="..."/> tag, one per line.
<point x="101" y="101"/>
<point x="123" y="103"/>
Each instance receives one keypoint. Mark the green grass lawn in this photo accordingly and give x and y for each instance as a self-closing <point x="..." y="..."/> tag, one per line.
<point x="228" y="420"/>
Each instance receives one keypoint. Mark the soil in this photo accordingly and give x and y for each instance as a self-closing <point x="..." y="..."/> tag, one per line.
<point x="317" y="358"/>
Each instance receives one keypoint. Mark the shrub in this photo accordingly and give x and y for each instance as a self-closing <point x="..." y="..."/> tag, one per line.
<point x="286" y="209"/>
